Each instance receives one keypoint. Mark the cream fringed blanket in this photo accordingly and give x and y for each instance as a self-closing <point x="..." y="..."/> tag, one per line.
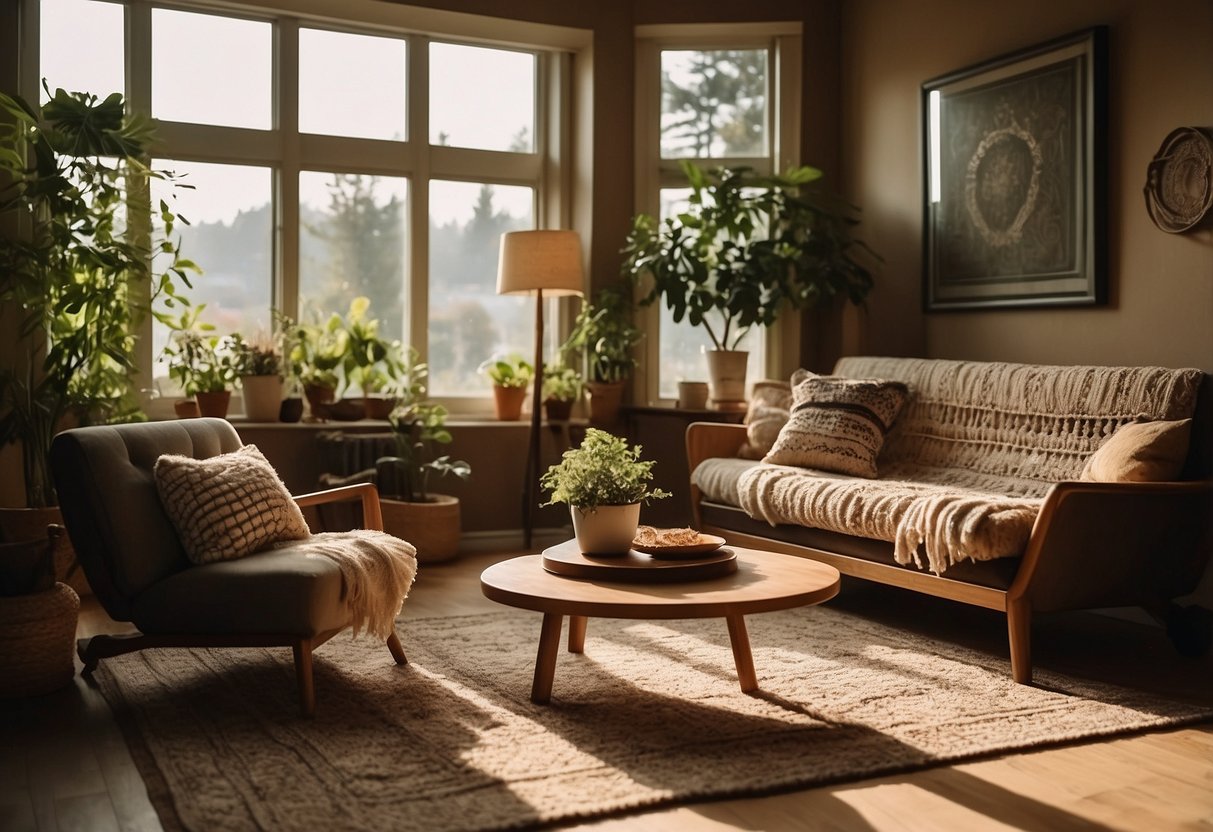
<point x="376" y="569"/>
<point x="965" y="469"/>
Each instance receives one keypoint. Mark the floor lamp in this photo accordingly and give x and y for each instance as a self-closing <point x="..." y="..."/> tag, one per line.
<point x="531" y="263"/>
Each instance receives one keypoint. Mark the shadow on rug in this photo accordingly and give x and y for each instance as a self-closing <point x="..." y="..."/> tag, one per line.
<point x="650" y="714"/>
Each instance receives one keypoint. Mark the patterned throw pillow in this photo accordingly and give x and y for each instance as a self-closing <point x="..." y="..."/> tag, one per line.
<point x="227" y="506"/>
<point x="838" y="424"/>
<point x="770" y="406"/>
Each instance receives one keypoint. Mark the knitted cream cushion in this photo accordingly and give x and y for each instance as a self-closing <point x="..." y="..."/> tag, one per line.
<point x="770" y="407"/>
<point x="837" y="424"/>
<point x="227" y="506"/>
<point x="1141" y="452"/>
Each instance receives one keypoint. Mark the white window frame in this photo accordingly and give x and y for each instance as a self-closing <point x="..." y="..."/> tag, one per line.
<point x="783" y="41"/>
<point x="549" y="170"/>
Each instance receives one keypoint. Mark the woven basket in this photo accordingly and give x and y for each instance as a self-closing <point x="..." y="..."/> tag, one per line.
<point x="37" y="634"/>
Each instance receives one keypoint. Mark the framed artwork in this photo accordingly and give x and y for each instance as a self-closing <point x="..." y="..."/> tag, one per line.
<point x="1014" y="179"/>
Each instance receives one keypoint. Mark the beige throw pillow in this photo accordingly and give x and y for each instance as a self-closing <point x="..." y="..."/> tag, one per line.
<point x="1141" y="452"/>
<point x="838" y="424"/>
<point x="770" y="406"/>
<point x="227" y="506"/>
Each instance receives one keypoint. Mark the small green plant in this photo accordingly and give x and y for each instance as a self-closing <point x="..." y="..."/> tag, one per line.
<point x="256" y="358"/>
<point x="418" y="427"/>
<point x="602" y="471"/>
<point x="370" y="363"/>
<point x="603" y="333"/>
<point x="314" y="352"/>
<point x="198" y="360"/>
<point x="561" y="383"/>
<point x="508" y="371"/>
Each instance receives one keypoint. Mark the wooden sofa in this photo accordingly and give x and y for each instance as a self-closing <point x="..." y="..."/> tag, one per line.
<point x="1093" y="544"/>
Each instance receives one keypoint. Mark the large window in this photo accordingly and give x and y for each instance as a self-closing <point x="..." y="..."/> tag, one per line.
<point x="719" y="97"/>
<point x="326" y="160"/>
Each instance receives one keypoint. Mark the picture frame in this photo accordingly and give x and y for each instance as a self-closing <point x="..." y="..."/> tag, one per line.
<point x="1015" y="179"/>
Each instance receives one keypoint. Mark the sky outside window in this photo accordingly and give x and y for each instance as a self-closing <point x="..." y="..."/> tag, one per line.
<point x="352" y="85"/>
<point x="482" y="98"/>
<point x="81" y="46"/>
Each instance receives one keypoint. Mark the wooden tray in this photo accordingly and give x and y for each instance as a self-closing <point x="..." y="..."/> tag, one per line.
<point x="568" y="561"/>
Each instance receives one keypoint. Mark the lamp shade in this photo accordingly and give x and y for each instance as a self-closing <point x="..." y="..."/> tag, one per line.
<point x="547" y="260"/>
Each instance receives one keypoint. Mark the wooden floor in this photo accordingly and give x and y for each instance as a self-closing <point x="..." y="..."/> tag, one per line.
<point x="64" y="764"/>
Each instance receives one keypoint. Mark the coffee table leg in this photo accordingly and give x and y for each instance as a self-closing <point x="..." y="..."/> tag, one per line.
<point x="545" y="662"/>
<point x="740" y="640"/>
<point x="577" y="633"/>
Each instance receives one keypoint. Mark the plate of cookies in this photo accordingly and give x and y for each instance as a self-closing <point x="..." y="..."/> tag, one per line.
<point x="682" y="542"/>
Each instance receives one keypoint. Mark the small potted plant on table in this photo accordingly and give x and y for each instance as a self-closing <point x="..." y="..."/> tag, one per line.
<point x="604" y="483"/>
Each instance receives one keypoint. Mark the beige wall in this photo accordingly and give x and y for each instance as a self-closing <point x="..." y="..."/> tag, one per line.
<point x="1161" y="77"/>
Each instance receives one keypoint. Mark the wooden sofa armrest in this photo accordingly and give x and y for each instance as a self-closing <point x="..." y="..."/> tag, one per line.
<point x="707" y="440"/>
<point x="372" y="516"/>
<point x="1116" y="544"/>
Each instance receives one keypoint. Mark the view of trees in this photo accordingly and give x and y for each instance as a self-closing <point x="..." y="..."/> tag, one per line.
<point x="714" y="103"/>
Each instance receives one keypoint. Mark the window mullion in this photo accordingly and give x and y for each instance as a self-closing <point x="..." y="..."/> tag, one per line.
<point x="418" y="290"/>
<point x="286" y="210"/>
<point x="138" y="18"/>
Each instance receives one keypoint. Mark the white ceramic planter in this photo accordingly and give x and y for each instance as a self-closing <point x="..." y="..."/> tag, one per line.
<point x="606" y="530"/>
<point x="262" y="397"/>
<point x="726" y="377"/>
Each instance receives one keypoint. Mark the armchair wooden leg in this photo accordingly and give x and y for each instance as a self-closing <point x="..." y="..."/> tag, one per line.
<point x="393" y="644"/>
<point x="303" y="672"/>
<point x="1019" y="634"/>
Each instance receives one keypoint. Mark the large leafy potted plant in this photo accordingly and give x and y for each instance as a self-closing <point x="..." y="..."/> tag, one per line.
<point x="747" y="248"/>
<point x="604" y="336"/>
<point x="371" y="363"/>
<point x="314" y="353"/>
<point x="78" y="277"/>
<point x="604" y="483"/>
<point x="429" y="521"/>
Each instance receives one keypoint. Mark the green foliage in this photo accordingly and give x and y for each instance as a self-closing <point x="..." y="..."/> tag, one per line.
<point x="604" y="335"/>
<point x="418" y="426"/>
<point x="370" y="363"/>
<point x="86" y="258"/>
<point x="561" y="383"/>
<point x="199" y="360"/>
<point x="748" y="247"/>
<point x="257" y="358"/>
<point x="724" y="97"/>
<point x="314" y="352"/>
<point x="602" y="471"/>
<point x="508" y="371"/>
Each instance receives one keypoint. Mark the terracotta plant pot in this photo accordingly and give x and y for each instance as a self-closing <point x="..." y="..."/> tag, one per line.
<point x="508" y="402"/>
<point x="606" y="530"/>
<point x="318" y="399"/>
<point x="432" y="527"/>
<point x="186" y="409"/>
<point x="605" y="401"/>
<point x="214" y="403"/>
<point x="262" y="397"/>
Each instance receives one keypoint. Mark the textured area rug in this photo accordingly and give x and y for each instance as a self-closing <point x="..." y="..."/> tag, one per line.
<point x="650" y="714"/>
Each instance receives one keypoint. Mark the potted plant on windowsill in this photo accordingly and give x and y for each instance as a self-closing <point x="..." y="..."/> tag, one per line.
<point x="748" y="247"/>
<point x="75" y="283"/>
<point x="604" y="483"/>
<point x="429" y="521"/>
<point x="314" y="353"/>
<point x="371" y="364"/>
<point x="201" y="362"/>
<point x="604" y="335"/>
<point x="259" y="368"/>
<point x="561" y="390"/>
<point x="510" y="376"/>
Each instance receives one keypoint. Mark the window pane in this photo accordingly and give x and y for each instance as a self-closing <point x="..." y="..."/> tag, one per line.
<point x="81" y="45"/>
<point x="713" y="103"/>
<point x="351" y="85"/>
<point x="482" y="98"/>
<point x="353" y="241"/>
<point x="209" y="69"/>
<point x="468" y="320"/>
<point x="230" y="238"/>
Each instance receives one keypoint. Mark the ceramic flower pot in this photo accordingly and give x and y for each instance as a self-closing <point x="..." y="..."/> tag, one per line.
<point x="319" y="397"/>
<point x="726" y="378"/>
<point x="558" y="410"/>
<point x="605" y="401"/>
<point x="214" y="403"/>
<point x="186" y="409"/>
<point x="262" y="397"/>
<point x="291" y="409"/>
<point x="606" y="530"/>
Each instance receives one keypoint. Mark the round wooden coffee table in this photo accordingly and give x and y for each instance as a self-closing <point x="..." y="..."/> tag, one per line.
<point x="763" y="582"/>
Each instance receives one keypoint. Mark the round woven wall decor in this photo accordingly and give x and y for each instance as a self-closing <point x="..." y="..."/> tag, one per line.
<point x="1179" y="180"/>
